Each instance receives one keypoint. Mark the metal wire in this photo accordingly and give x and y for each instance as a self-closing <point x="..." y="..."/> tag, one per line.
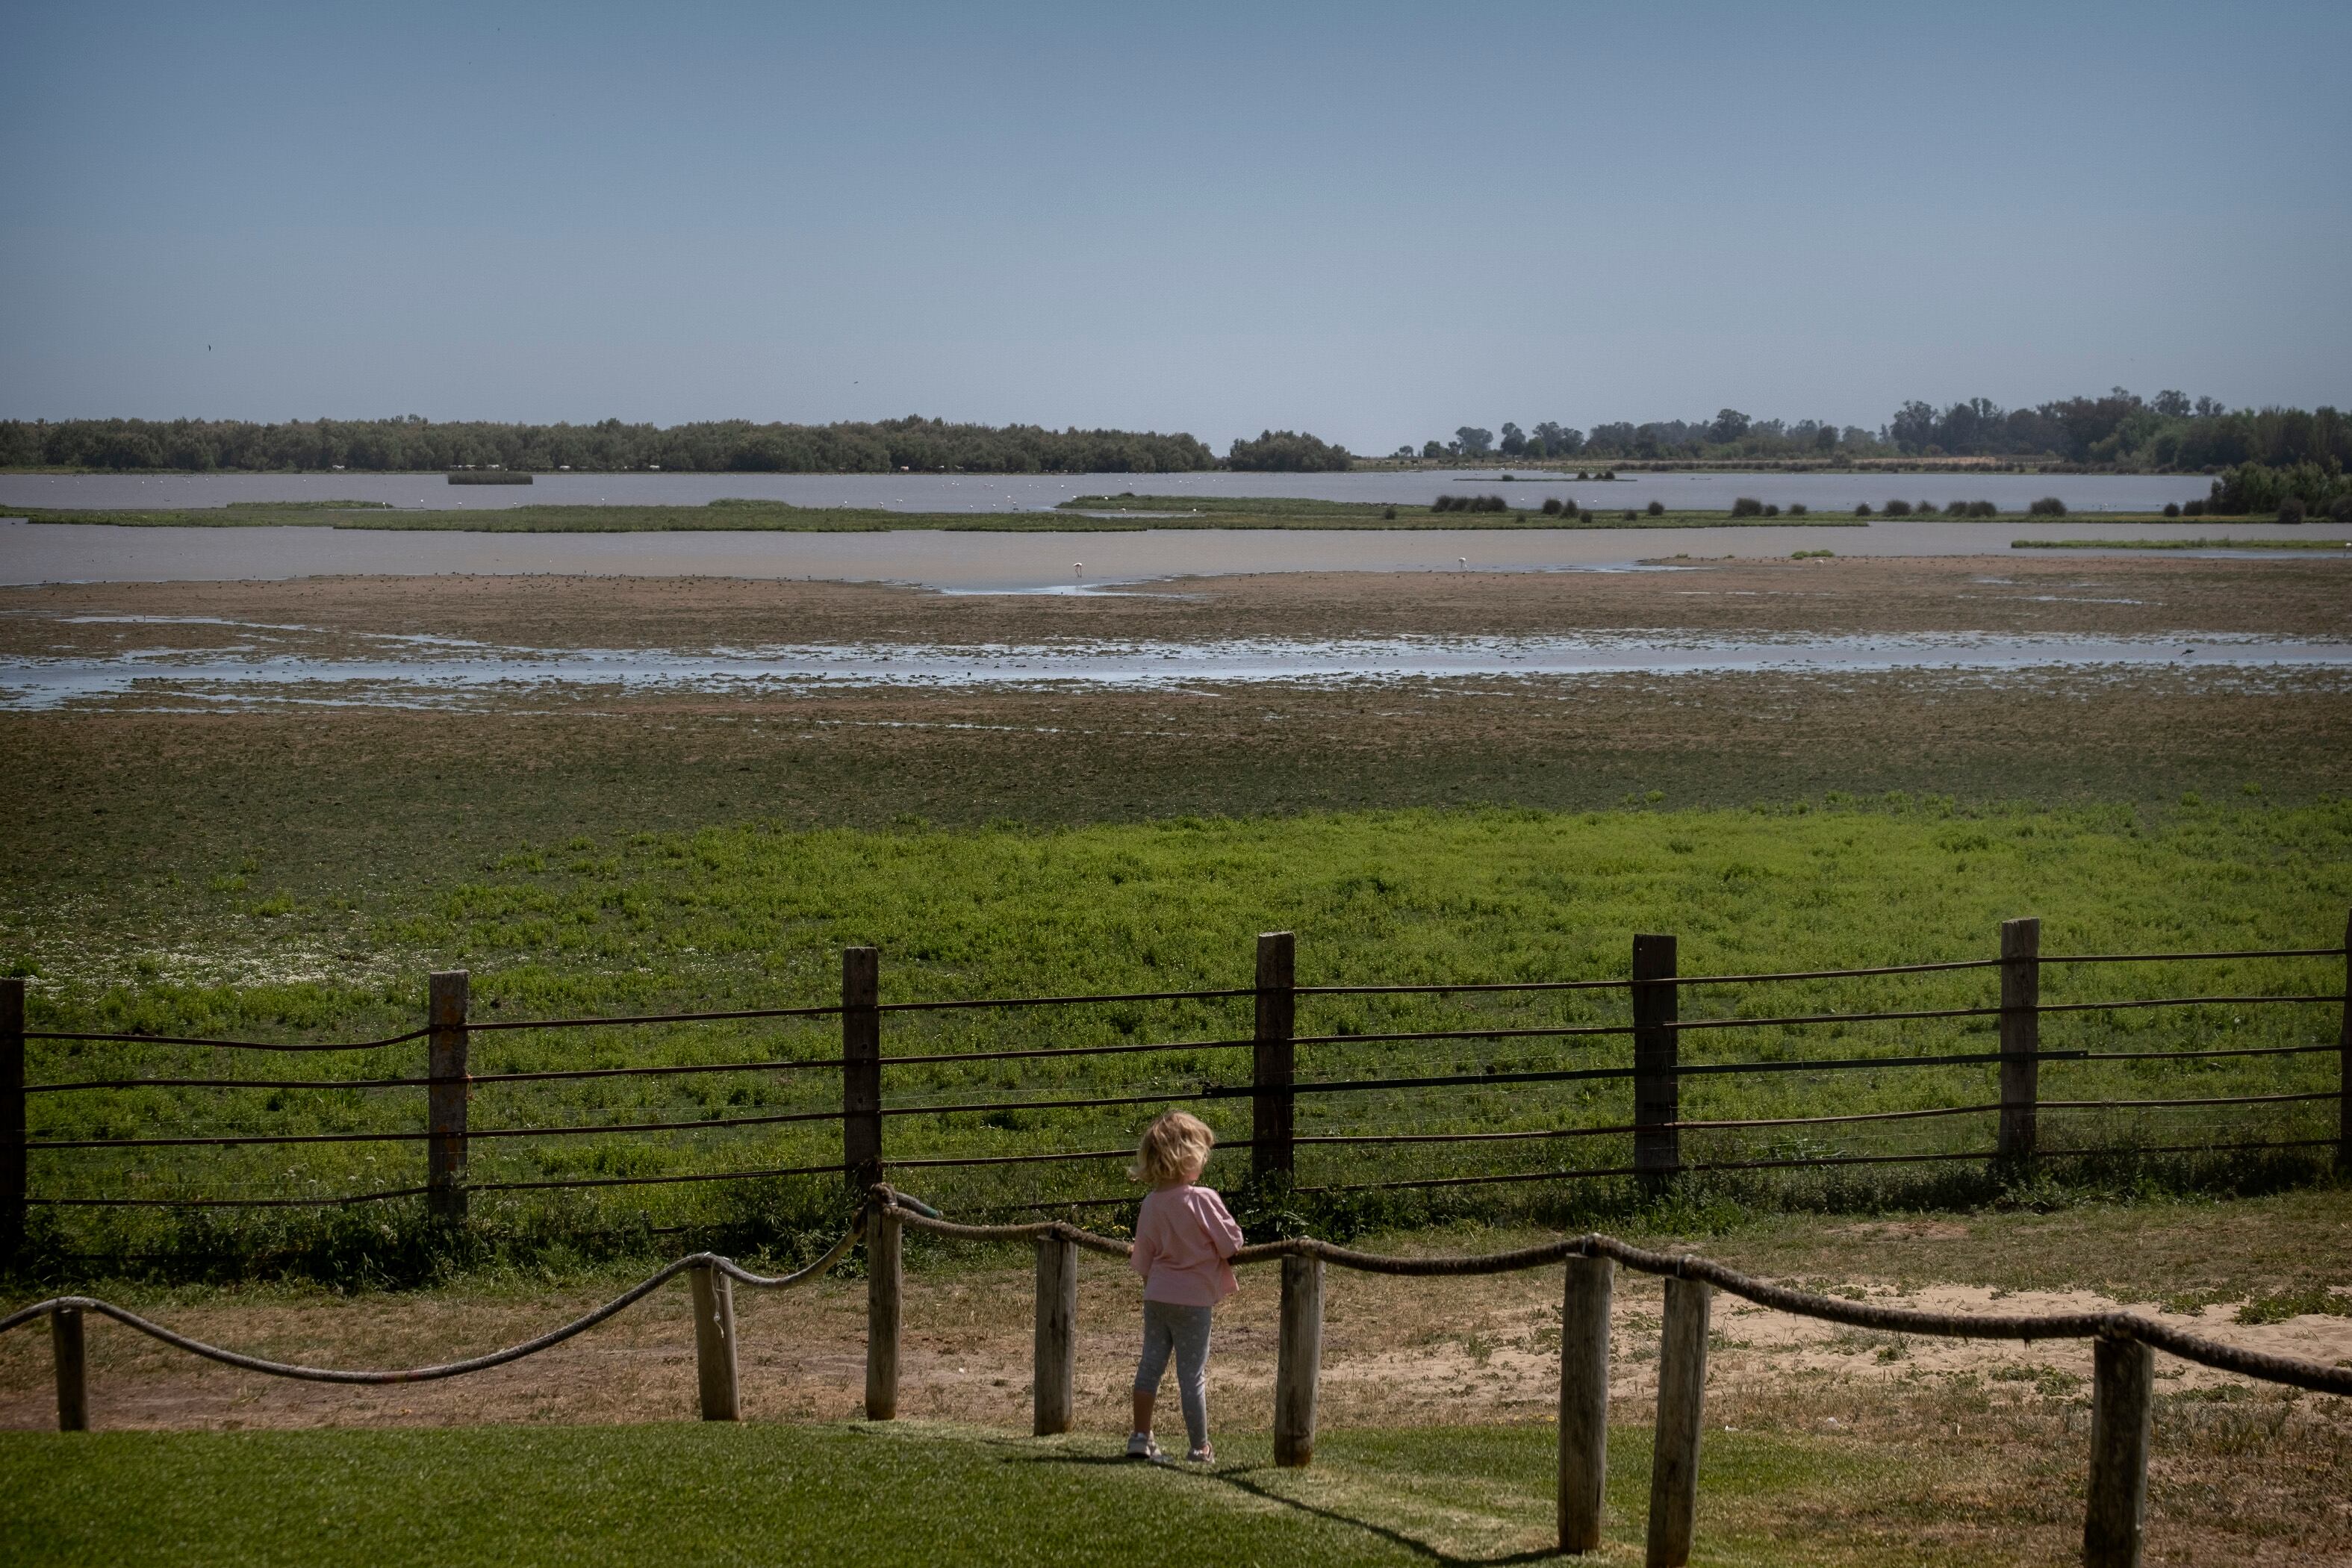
<point x="224" y="1045"/>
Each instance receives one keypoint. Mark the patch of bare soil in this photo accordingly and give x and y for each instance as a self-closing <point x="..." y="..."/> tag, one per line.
<point x="1396" y="1352"/>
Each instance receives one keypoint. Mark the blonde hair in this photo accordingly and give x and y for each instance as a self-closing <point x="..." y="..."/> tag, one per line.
<point x="1174" y="1148"/>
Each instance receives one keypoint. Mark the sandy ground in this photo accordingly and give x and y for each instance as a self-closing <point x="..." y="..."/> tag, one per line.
<point x="1396" y="1351"/>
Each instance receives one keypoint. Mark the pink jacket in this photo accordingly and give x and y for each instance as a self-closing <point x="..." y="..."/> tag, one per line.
<point x="1182" y="1239"/>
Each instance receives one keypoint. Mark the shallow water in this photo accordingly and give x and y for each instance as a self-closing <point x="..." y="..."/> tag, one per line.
<point x="429" y="672"/>
<point x="976" y="563"/>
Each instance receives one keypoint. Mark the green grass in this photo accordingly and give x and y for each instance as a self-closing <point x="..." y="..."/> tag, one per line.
<point x="844" y="1495"/>
<point x="2178" y="545"/>
<point x="754" y="916"/>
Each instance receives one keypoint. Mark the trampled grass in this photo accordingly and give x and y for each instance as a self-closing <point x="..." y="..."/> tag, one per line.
<point x="755" y="916"/>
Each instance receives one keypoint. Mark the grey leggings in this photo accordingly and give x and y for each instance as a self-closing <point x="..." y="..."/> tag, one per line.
<point x="1185" y="1331"/>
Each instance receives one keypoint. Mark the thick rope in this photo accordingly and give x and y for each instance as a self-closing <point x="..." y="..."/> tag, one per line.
<point x="904" y="1210"/>
<point x="2289" y="1370"/>
<point x="556" y="1336"/>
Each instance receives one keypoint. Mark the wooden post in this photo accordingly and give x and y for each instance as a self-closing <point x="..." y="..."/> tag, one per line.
<point x="1299" y="1355"/>
<point x="2021" y="1037"/>
<point x="2122" y="1372"/>
<point x="1273" y="1111"/>
<point x="714" y="1345"/>
<point x="1658" y="1092"/>
<point x="1584" y="1401"/>
<point x="1682" y="1405"/>
<point x="2343" y="1063"/>
<point x="72" y="1364"/>
<point x="884" y="1285"/>
<point x="444" y="1055"/>
<point x="14" y="1180"/>
<point x="861" y="1072"/>
<point x="1054" y="1403"/>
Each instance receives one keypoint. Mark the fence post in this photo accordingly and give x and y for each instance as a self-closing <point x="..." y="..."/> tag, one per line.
<point x="1055" y="1402"/>
<point x="883" y="1315"/>
<point x="1273" y="1111"/>
<point x="2343" y="1063"/>
<point x="72" y="1364"/>
<point x="1583" y="1401"/>
<point x="2122" y="1371"/>
<point x="1658" y="1092"/>
<point x="2021" y="1037"/>
<point x="861" y="1071"/>
<point x="445" y="1058"/>
<point x="714" y="1345"/>
<point x="1299" y="1355"/>
<point x="1682" y="1404"/>
<point x="13" y="1184"/>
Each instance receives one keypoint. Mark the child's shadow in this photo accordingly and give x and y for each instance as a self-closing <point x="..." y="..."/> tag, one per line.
<point x="1243" y="1478"/>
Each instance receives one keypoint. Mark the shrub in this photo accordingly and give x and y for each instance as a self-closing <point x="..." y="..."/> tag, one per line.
<point x="1956" y="509"/>
<point x="1771" y="509"/>
<point x="1490" y="504"/>
<point x="2172" y="508"/>
<point x="1898" y="508"/>
<point x="1926" y="508"/>
<point x="1861" y="510"/>
<point x="2192" y="509"/>
<point x="1389" y="513"/>
<point x="1445" y="504"/>
<point x="1631" y="515"/>
<point x="2291" y="509"/>
<point x="1983" y="509"/>
<point x="1587" y="515"/>
<point x="2048" y="506"/>
<point x="1796" y="508"/>
<point x="1657" y="509"/>
<point x="1747" y="506"/>
<point x="1551" y="506"/>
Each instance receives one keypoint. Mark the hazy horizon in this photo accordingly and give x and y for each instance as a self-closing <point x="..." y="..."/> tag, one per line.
<point x="1373" y="224"/>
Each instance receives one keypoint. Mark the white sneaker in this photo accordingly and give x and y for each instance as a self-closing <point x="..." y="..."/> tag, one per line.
<point x="1203" y="1455"/>
<point x="1140" y="1445"/>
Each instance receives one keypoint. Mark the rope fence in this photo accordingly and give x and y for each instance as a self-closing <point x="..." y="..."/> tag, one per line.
<point x="2124" y="1345"/>
<point x="1652" y="1066"/>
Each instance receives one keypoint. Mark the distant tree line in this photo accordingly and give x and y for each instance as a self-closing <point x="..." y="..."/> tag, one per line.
<point x="416" y="445"/>
<point x="2122" y="430"/>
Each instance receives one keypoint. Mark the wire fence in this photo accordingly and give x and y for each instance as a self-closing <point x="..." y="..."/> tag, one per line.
<point x="1531" y="1065"/>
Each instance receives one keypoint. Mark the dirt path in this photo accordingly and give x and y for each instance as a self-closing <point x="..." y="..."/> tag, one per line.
<point x="1397" y="1351"/>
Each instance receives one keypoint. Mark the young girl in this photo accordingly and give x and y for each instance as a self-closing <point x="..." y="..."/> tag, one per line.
<point x="1183" y="1239"/>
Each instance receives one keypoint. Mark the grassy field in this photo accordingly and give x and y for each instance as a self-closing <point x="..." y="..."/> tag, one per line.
<point x="755" y="915"/>
<point x="850" y="1495"/>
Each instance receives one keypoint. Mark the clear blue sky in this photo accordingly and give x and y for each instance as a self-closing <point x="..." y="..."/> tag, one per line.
<point x="1373" y="222"/>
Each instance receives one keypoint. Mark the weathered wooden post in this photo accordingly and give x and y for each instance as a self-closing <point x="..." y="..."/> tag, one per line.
<point x="14" y="1185"/>
<point x="715" y="1370"/>
<point x="445" y="1098"/>
<point x="1682" y="1405"/>
<point x="861" y="1071"/>
<point x="2020" y="1037"/>
<point x="73" y="1369"/>
<point x="2343" y="1061"/>
<point x="1273" y="1111"/>
<point x="1657" y="1091"/>
<point x="2122" y="1374"/>
<point x="1056" y="1397"/>
<point x="1299" y="1357"/>
<point x="1584" y="1401"/>
<point x="884" y="1284"/>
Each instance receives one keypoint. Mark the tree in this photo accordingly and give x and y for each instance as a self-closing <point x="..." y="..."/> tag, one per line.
<point x="1474" y="442"/>
<point x="2172" y="404"/>
<point x="1287" y="451"/>
<point x="1515" y="440"/>
<point x="1730" y="426"/>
